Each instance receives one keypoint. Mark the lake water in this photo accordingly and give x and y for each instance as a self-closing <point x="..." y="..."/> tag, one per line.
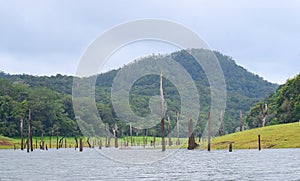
<point x="68" y="164"/>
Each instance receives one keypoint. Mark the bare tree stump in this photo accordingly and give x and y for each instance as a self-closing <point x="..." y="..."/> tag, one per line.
<point x="100" y="144"/>
<point x="208" y="132"/>
<point x="191" y="144"/>
<point x="259" y="146"/>
<point x="230" y="147"/>
<point x="76" y="145"/>
<point x="80" y="145"/>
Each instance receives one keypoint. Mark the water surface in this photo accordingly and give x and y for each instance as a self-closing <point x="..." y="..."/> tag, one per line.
<point x="68" y="164"/>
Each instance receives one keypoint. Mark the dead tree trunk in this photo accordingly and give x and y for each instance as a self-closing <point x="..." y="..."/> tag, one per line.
<point x="107" y="135"/>
<point x="191" y="144"/>
<point x="100" y="144"/>
<point x="146" y="141"/>
<point x="177" y="125"/>
<point x="28" y="147"/>
<point x="263" y="114"/>
<point x="80" y="145"/>
<point x="22" y="134"/>
<point x="169" y="131"/>
<point x="57" y="140"/>
<point x="30" y="131"/>
<point x="221" y="129"/>
<point x="61" y="142"/>
<point x="259" y="145"/>
<point x="162" y="115"/>
<point x="130" y="129"/>
<point x="241" y="121"/>
<point x="76" y="145"/>
<point x="88" y="142"/>
<point x="43" y="143"/>
<point x="208" y="132"/>
<point x="116" y="135"/>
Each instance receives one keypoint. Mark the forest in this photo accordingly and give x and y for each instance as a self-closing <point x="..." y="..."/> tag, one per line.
<point x="49" y="98"/>
<point x="283" y="106"/>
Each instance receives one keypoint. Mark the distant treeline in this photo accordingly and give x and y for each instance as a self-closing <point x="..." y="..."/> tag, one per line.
<point x="50" y="99"/>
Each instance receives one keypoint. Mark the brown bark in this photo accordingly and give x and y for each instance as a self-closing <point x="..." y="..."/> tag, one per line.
<point x="208" y="132"/>
<point x="80" y="145"/>
<point x="191" y="144"/>
<point x="30" y="131"/>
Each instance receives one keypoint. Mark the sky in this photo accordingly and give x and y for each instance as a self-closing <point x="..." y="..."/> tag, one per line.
<point x="49" y="37"/>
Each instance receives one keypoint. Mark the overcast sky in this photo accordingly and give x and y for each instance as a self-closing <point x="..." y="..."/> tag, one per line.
<point x="48" y="37"/>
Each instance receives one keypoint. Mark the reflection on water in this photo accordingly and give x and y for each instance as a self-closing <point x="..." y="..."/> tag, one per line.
<point x="68" y="164"/>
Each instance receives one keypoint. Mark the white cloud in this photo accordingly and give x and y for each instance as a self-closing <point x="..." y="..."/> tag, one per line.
<point x="252" y="32"/>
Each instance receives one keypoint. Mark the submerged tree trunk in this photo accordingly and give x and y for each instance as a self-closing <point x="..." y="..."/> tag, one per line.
<point x="88" y="142"/>
<point x="76" y="145"/>
<point x="116" y="135"/>
<point x="22" y="134"/>
<point x="191" y="144"/>
<point x="107" y="144"/>
<point x="208" y="132"/>
<point x="42" y="142"/>
<point x="57" y="140"/>
<point x="130" y="129"/>
<point x="162" y="115"/>
<point x="30" y="132"/>
<point x="177" y="125"/>
<point x="169" y="131"/>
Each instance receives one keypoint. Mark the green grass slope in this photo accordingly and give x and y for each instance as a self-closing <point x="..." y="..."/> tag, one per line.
<point x="277" y="136"/>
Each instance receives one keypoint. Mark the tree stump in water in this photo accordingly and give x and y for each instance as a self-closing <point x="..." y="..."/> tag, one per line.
<point x="191" y="144"/>
<point x="259" y="146"/>
<point x="80" y="145"/>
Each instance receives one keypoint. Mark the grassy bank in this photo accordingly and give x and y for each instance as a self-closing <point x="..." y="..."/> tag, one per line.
<point x="8" y="143"/>
<point x="277" y="136"/>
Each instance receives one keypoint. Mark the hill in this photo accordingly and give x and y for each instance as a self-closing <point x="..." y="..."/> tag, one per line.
<point x="51" y="96"/>
<point x="283" y="105"/>
<point x="276" y="136"/>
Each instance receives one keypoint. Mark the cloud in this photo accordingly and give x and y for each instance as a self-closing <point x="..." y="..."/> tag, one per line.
<point x="251" y="32"/>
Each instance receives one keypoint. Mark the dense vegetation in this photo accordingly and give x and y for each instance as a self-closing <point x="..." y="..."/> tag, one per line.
<point x="49" y="98"/>
<point x="50" y="111"/>
<point x="283" y="105"/>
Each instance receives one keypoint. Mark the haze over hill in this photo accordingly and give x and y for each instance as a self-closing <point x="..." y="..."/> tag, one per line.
<point x="50" y="97"/>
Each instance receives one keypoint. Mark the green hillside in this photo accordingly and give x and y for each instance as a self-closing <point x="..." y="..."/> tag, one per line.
<point x="277" y="136"/>
<point x="51" y="103"/>
<point x="283" y="105"/>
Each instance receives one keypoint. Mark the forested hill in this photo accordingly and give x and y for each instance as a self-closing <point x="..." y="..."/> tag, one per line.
<point x="283" y="105"/>
<point x="52" y="96"/>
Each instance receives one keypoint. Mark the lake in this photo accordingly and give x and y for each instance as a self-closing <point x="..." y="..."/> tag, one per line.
<point x="92" y="164"/>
